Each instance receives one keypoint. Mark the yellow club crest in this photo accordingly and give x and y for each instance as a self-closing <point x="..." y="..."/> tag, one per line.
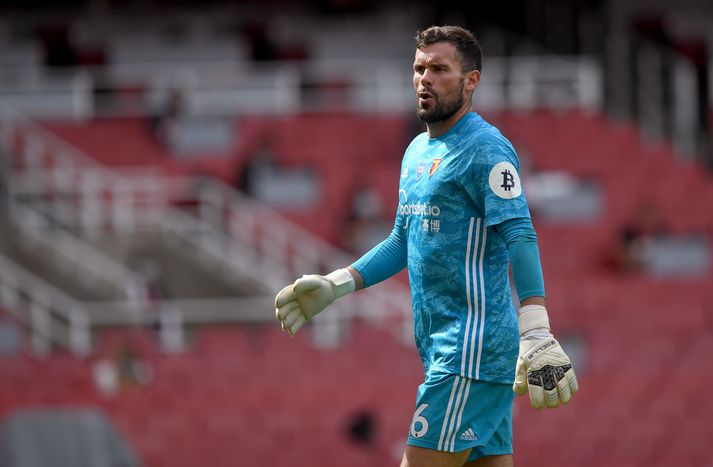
<point x="434" y="166"/>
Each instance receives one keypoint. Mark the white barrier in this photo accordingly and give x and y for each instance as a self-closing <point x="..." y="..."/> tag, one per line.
<point x="237" y="235"/>
<point x="230" y="88"/>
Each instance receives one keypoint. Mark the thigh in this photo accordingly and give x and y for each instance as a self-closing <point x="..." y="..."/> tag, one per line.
<point x="415" y="456"/>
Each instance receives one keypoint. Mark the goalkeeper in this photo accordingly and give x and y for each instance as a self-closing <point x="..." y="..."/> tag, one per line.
<point x="462" y="220"/>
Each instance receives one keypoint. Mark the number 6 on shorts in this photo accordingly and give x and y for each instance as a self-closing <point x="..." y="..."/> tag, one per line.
<point x="419" y="419"/>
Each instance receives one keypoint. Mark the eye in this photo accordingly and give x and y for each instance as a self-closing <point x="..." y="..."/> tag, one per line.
<point x="419" y="69"/>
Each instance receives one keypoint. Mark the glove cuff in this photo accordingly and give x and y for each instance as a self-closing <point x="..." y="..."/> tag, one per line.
<point x="531" y="317"/>
<point x="342" y="281"/>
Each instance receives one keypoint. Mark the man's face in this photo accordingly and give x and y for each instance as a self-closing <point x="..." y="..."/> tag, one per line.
<point x="441" y="87"/>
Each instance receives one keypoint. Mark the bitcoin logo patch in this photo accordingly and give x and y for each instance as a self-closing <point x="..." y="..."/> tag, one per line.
<point x="504" y="181"/>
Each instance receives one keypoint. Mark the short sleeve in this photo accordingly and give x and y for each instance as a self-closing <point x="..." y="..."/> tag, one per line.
<point x="493" y="180"/>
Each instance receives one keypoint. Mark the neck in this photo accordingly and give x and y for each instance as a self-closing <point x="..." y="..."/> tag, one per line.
<point x="436" y="129"/>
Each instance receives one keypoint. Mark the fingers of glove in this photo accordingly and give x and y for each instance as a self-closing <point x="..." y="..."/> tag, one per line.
<point x="284" y="296"/>
<point x="291" y="318"/>
<point x="308" y="283"/>
<point x="297" y="325"/>
<point x="537" y="395"/>
<point x="552" y="398"/>
<point x="520" y="385"/>
<point x="282" y="311"/>
<point x="563" y="389"/>
<point x="549" y="380"/>
<point x="571" y="378"/>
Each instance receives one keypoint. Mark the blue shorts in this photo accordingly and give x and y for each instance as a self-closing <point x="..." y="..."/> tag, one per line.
<point x="454" y="413"/>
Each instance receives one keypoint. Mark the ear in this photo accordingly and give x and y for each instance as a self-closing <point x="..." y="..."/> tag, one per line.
<point x="472" y="78"/>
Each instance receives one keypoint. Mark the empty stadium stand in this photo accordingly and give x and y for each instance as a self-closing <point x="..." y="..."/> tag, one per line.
<point x="248" y="395"/>
<point x="199" y="374"/>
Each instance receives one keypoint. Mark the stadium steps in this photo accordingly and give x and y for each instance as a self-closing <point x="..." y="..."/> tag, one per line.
<point x="182" y="272"/>
<point x="43" y="262"/>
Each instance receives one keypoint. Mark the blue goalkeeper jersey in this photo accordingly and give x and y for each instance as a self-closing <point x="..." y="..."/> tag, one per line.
<point x="453" y="191"/>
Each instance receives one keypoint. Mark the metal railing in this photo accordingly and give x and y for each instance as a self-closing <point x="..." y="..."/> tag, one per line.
<point x="88" y="264"/>
<point x="51" y="315"/>
<point x="232" y="232"/>
<point x="230" y="88"/>
<point x="56" y="319"/>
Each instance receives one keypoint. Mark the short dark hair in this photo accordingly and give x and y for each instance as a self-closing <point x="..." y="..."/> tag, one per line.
<point x="468" y="51"/>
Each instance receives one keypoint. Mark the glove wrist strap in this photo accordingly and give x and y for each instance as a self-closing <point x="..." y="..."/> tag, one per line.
<point x="533" y="319"/>
<point x="342" y="281"/>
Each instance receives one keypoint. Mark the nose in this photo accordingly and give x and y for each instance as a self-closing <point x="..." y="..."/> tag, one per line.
<point x="426" y="78"/>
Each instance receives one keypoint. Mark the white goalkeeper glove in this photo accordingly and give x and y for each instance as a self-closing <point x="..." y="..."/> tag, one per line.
<point x="542" y="366"/>
<point x="299" y="302"/>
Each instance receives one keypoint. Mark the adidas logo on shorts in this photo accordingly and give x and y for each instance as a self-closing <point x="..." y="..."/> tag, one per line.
<point x="468" y="435"/>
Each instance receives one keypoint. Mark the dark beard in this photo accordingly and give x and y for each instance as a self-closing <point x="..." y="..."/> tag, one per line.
<point x="442" y="110"/>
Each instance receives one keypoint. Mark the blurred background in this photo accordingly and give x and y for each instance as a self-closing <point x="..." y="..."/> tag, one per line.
<point x="168" y="166"/>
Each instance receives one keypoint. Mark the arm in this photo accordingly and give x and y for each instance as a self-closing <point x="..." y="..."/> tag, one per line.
<point x="543" y="368"/>
<point x="299" y="302"/>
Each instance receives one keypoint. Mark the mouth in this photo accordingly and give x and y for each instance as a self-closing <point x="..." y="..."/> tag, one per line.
<point x="424" y="97"/>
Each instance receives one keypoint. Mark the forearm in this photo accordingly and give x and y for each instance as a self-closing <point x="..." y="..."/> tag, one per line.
<point x="521" y="241"/>
<point x="381" y="262"/>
